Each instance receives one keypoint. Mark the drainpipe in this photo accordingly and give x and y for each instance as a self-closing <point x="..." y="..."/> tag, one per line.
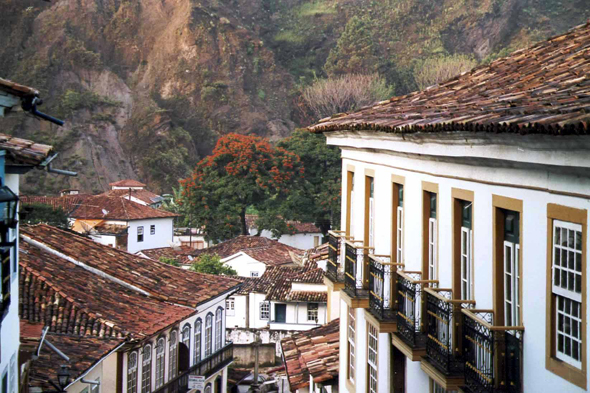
<point x="31" y="106"/>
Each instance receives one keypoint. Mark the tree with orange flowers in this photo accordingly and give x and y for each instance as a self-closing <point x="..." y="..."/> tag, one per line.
<point x="243" y="171"/>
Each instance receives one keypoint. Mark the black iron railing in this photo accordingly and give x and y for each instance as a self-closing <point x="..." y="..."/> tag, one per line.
<point x="410" y="307"/>
<point x="443" y="330"/>
<point x="493" y="354"/>
<point x="335" y="265"/>
<point x="356" y="281"/>
<point x="382" y="285"/>
<point x="205" y="367"/>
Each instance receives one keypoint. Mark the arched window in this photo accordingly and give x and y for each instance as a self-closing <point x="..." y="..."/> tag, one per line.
<point x="173" y="354"/>
<point x="218" y="328"/>
<point x="186" y="335"/>
<point x="208" y="334"/>
<point x="208" y="387"/>
<point x="197" y="354"/>
<point x="160" y="361"/>
<point x="132" y="372"/>
<point x="146" y="369"/>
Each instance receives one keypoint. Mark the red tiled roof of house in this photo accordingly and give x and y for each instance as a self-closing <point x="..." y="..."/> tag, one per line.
<point x="162" y="281"/>
<point x="72" y="300"/>
<point x="179" y="253"/>
<point x="143" y="195"/>
<point x="127" y="183"/>
<point x="296" y="226"/>
<point x="281" y="288"/>
<point x="544" y="89"/>
<point x="116" y="208"/>
<point x="23" y="151"/>
<point x="267" y="251"/>
<point x="68" y="203"/>
<point x="312" y="353"/>
<point x="84" y="352"/>
<point x="31" y="330"/>
<point x="17" y="89"/>
<point x="109" y="229"/>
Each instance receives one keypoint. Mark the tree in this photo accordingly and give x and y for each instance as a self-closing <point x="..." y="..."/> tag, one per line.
<point x="243" y="171"/>
<point x="439" y="69"/>
<point x="169" y="261"/>
<point x="344" y="93"/>
<point x="39" y="213"/>
<point x="317" y="199"/>
<point x="211" y="264"/>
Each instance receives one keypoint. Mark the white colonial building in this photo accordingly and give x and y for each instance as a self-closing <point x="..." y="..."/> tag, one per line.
<point x="462" y="261"/>
<point x="304" y="235"/>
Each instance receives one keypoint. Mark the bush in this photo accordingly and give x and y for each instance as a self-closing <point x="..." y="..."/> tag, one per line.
<point x="440" y="69"/>
<point x="211" y="264"/>
<point x="169" y="261"/>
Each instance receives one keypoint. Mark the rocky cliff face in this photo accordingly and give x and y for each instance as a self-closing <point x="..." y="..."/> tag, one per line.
<point x="146" y="86"/>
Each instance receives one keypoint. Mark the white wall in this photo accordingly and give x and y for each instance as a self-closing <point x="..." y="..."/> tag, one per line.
<point x="244" y="265"/>
<point x="105" y="372"/>
<point x="162" y="238"/>
<point x="303" y="241"/>
<point x="254" y="300"/>
<point x="239" y="317"/>
<point x="107" y="240"/>
<point x="533" y="238"/>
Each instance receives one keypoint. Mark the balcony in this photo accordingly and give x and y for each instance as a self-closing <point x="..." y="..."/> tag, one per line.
<point x="443" y="361"/>
<point x="335" y="265"/>
<point x="205" y="367"/>
<point x="356" y="277"/>
<point x="382" y="285"/>
<point x="410" y="339"/>
<point x="493" y="354"/>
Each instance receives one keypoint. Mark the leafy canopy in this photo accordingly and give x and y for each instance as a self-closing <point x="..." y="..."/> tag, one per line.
<point x="38" y="213"/>
<point x="211" y="264"/>
<point x="243" y="171"/>
<point x="169" y="261"/>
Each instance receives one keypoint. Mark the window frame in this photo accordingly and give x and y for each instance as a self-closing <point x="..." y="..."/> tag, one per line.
<point x="230" y="306"/>
<point x="140" y="234"/>
<point x="198" y="341"/>
<point x="397" y="219"/>
<point x="430" y="221"/>
<point x="132" y="372"/>
<point x="459" y="198"/>
<point x="264" y="310"/>
<point x="152" y="229"/>
<point x="372" y="338"/>
<point x="574" y="375"/>
<point x="160" y="362"/>
<point x="209" y="335"/>
<point x="351" y="350"/>
<point x="311" y="310"/>
<point x="349" y="201"/>
<point x="218" y="329"/>
<point x="146" y="372"/>
<point x="173" y="355"/>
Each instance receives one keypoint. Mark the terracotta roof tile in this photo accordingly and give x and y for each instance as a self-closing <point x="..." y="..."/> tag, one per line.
<point x="542" y="89"/>
<point x="16" y="89"/>
<point x="116" y="208"/>
<point x="68" y="203"/>
<point x="267" y="251"/>
<point x="24" y="152"/>
<point x="312" y="353"/>
<point x="165" y="282"/>
<point x="127" y="183"/>
<point x="180" y="253"/>
<point x="281" y="288"/>
<point x="296" y="226"/>
<point x="143" y="195"/>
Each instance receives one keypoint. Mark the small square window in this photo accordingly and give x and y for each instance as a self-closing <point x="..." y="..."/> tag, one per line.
<point x="139" y="234"/>
<point x="253" y="274"/>
<point x="152" y="229"/>
<point x="264" y="310"/>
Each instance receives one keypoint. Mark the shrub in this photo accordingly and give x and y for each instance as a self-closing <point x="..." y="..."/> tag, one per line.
<point x="440" y="69"/>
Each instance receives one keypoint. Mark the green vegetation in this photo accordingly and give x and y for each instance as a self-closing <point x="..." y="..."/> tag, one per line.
<point x="72" y="100"/>
<point x="169" y="261"/>
<point x="211" y="264"/>
<point x="37" y="213"/>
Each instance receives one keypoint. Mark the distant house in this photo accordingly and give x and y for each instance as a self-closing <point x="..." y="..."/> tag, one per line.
<point x="305" y="234"/>
<point x="135" y="191"/>
<point x="181" y="254"/>
<point x="191" y="237"/>
<point x="249" y="256"/>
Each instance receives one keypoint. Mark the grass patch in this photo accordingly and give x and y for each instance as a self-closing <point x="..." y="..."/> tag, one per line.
<point x="289" y="36"/>
<point x="314" y="8"/>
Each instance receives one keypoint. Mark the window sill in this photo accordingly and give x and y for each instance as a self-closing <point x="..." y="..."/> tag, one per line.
<point x="571" y="374"/>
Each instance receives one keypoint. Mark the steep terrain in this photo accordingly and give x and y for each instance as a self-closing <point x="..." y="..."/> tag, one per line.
<point x="146" y="86"/>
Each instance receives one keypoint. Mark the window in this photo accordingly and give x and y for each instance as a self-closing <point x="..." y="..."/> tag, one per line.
<point x="208" y="334"/>
<point x="185" y="336"/>
<point x="351" y="343"/>
<point x="197" y="354"/>
<point x="370" y="211"/>
<point x="316" y="241"/>
<point x="160" y="359"/>
<point x="139" y="234"/>
<point x="152" y="229"/>
<point x="95" y="388"/>
<point x="132" y="372"/>
<point x="264" y="310"/>
<point x="432" y="236"/>
<point x="567" y="291"/>
<point x="511" y="268"/>
<point x="146" y="369"/>
<point x="208" y="388"/>
<point x="230" y="306"/>
<point x="466" y="251"/>
<point x="254" y="274"/>
<point x="373" y="338"/>
<point x="5" y="277"/>
<point x="173" y="355"/>
<point x="218" y="328"/>
<point x="350" y="204"/>
<point x="312" y="312"/>
<point x="398" y="223"/>
<point x="436" y="388"/>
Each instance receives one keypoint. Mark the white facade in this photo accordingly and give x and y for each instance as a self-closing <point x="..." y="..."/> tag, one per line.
<point x="537" y="171"/>
<point x="157" y="233"/>
<point x="245" y="265"/>
<point x="303" y="241"/>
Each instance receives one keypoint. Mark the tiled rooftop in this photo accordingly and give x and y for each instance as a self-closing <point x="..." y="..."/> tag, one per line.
<point x="127" y="183"/>
<point x="312" y="353"/>
<point x="143" y="195"/>
<point x="24" y="152"/>
<point x="165" y="282"/>
<point x="72" y="300"/>
<point x="68" y="203"/>
<point x="267" y="251"/>
<point x="16" y="89"/>
<point x="296" y="226"/>
<point x="180" y="253"/>
<point x="281" y="287"/>
<point x="543" y="89"/>
<point x="116" y="208"/>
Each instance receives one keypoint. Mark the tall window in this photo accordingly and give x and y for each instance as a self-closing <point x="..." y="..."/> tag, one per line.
<point x="5" y="285"/>
<point x="197" y="354"/>
<point x="146" y="369"/>
<point x="218" y="329"/>
<point x="173" y="355"/>
<point x="152" y="229"/>
<point x="208" y="334"/>
<point x="511" y="268"/>
<point x="139" y="234"/>
<point x="466" y="250"/>
<point x="312" y="312"/>
<point x="567" y="291"/>
<point x="373" y="338"/>
<point x="160" y="362"/>
<point x="370" y="182"/>
<point x="397" y="250"/>
<point x="432" y="237"/>
<point x="350" y="205"/>
<point x="351" y="343"/>
<point x="186" y="335"/>
<point x="132" y="373"/>
<point x="264" y="310"/>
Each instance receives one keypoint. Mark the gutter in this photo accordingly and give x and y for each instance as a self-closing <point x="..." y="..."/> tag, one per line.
<point x="95" y="364"/>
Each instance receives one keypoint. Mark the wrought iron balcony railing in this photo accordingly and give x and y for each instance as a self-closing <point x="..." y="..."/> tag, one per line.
<point x="410" y="305"/>
<point x="382" y="284"/>
<point x="356" y="269"/>
<point x="443" y="330"/>
<point x="335" y="265"/>
<point x="205" y="367"/>
<point x="493" y="354"/>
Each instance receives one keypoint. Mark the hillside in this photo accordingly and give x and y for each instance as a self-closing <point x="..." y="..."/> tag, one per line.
<point x="147" y="86"/>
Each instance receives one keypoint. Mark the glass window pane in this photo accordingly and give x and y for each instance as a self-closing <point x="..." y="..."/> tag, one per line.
<point x="570" y="282"/>
<point x="556" y="236"/>
<point x="575" y="351"/>
<point x="578" y="241"/>
<point x="567" y="346"/>
<point x="578" y="288"/>
<point x="508" y="288"/>
<point x="560" y="342"/>
<point x="578" y="262"/>
<point x="571" y="260"/>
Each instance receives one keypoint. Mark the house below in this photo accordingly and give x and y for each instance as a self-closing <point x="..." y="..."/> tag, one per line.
<point x="304" y="235"/>
<point x="135" y="192"/>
